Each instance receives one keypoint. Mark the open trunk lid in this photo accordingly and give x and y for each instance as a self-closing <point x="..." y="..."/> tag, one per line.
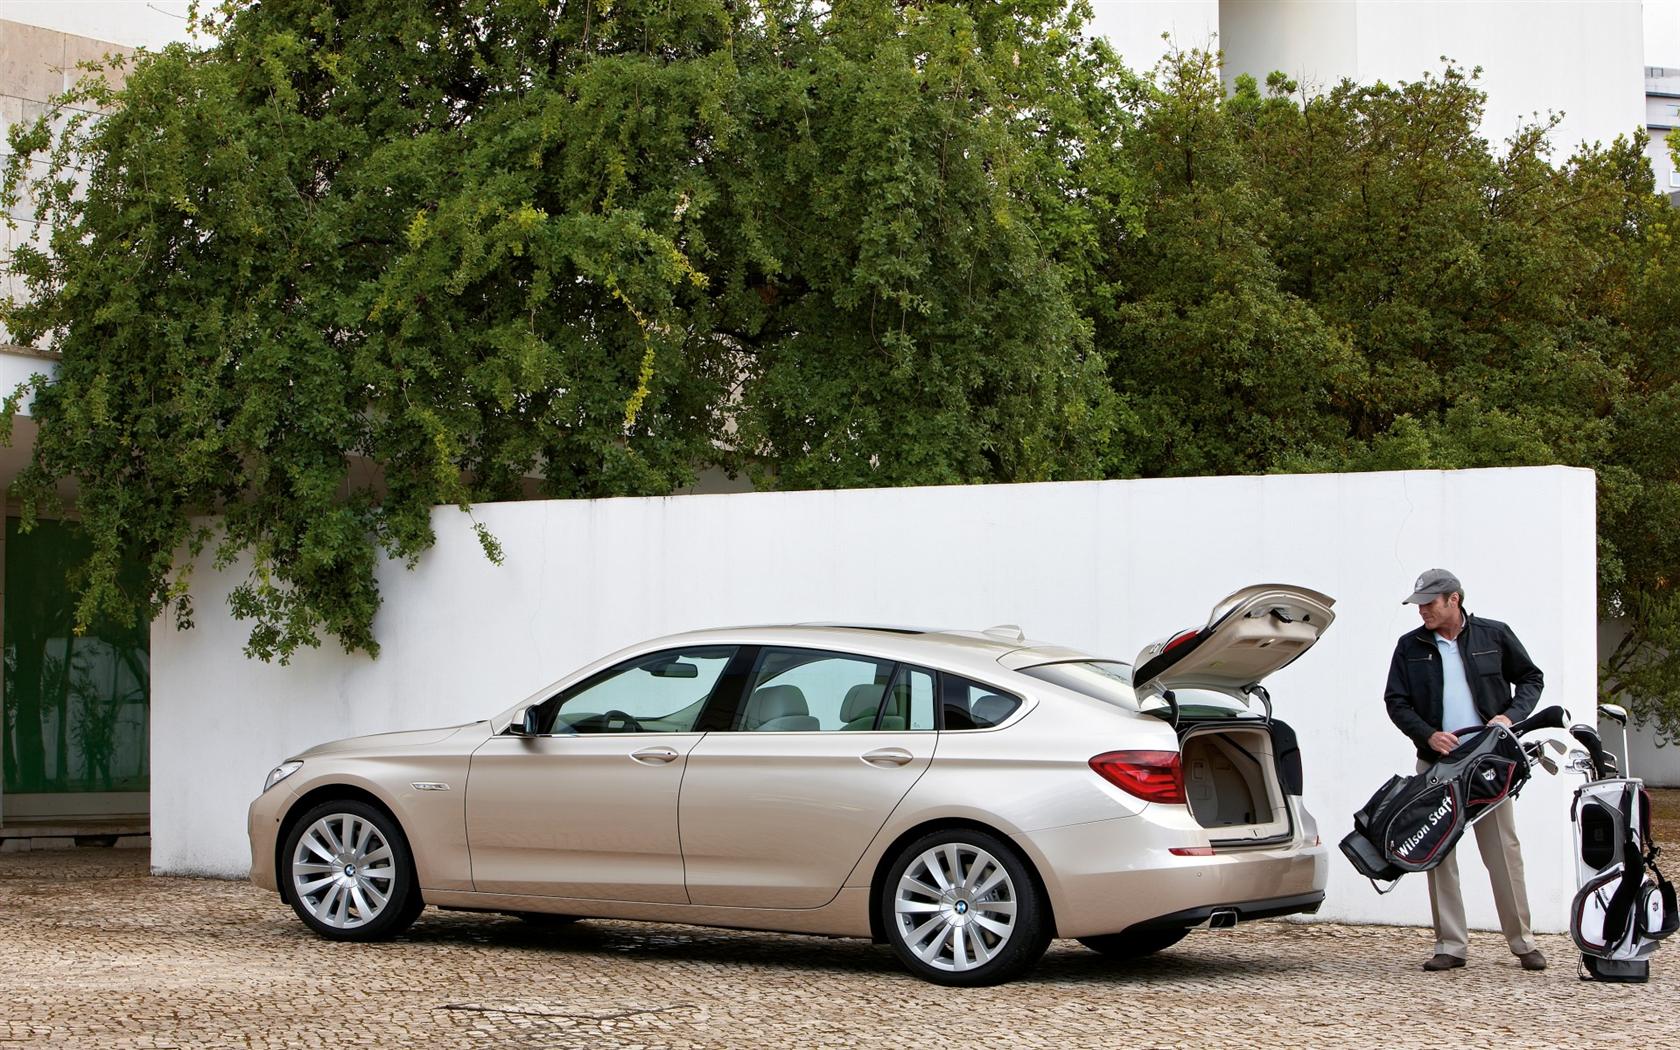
<point x="1249" y="635"/>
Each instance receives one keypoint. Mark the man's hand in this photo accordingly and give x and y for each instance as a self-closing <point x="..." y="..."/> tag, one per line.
<point x="1443" y="742"/>
<point x="1499" y="720"/>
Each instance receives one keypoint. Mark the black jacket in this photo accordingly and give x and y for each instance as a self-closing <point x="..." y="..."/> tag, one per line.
<point x="1494" y="661"/>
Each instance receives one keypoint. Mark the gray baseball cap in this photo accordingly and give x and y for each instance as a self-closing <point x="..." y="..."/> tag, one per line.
<point x="1431" y="585"/>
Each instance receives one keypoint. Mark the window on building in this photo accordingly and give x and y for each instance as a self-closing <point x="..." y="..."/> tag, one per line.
<point x="75" y="704"/>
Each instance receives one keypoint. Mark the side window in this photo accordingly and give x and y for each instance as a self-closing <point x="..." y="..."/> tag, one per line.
<point x="808" y="690"/>
<point x="970" y="705"/>
<point x="909" y="703"/>
<point x="660" y="693"/>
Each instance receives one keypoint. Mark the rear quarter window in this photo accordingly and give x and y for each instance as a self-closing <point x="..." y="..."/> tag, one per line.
<point x="970" y="705"/>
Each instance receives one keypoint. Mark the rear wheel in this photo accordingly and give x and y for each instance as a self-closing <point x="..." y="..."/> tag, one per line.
<point x="1134" y="945"/>
<point x="348" y="873"/>
<point x="960" y="907"/>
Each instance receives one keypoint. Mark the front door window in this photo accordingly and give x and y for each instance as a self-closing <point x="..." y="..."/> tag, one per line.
<point x="661" y="693"/>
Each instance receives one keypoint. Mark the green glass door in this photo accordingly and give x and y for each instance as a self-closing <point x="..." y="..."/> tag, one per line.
<point x="75" y="705"/>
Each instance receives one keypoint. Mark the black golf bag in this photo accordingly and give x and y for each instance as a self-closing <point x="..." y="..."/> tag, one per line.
<point x="1625" y="905"/>
<point x="1412" y="823"/>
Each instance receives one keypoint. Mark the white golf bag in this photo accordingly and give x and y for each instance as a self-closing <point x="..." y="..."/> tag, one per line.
<point x="1624" y="905"/>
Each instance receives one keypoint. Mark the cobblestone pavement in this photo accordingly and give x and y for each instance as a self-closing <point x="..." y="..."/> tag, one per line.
<point x="94" y="952"/>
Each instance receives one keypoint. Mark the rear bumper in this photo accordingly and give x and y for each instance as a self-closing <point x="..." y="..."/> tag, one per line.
<point x="1114" y="876"/>
<point x="1245" y="911"/>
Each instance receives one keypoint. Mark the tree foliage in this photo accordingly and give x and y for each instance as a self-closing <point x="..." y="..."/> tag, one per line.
<point x="352" y="261"/>
<point x="1357" y="280"/>
<point x="355" y="260"/>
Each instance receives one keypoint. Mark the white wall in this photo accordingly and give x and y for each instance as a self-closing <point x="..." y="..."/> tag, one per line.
<point x="132" y="23"/>
<point x="1583" y="58"/>
<point x="1107" y="566"/>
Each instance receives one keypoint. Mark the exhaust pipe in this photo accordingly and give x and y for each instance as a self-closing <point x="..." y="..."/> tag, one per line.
<point x="1222" y="919"/>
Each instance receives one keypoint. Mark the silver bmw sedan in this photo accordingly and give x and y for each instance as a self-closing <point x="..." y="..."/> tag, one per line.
<point x="962" y="796"/>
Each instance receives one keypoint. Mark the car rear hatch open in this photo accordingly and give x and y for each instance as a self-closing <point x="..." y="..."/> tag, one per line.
<point x="1231" y="765"/>
<point x="1249" y="635"/>
<point x="1238" y="765"/>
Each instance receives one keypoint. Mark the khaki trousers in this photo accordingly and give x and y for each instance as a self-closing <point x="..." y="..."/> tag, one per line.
<point x="1496" y="836"/>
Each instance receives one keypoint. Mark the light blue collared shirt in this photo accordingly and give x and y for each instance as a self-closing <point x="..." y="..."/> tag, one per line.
<point x="1458" y="709"/>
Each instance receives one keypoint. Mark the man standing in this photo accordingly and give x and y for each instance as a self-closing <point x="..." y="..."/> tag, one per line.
<point x="1455" y="672"/>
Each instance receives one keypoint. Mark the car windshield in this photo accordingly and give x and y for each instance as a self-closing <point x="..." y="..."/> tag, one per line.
<point x="1111" y="682"/>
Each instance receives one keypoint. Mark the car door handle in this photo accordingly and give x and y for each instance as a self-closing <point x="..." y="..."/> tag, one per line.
<point x="654" y="756"/>
<point x="888" y="756"/>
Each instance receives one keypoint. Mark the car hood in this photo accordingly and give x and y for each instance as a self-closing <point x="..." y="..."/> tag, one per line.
<point x="384" y="741"/>
<point x="1249" y="635"/>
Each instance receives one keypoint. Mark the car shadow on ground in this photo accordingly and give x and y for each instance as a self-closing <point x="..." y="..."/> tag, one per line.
<point x="1066" y="962"/>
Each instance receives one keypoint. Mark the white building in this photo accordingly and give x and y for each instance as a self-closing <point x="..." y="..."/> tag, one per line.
<point x="1582" y="59"/>
<point x="1662" y="116"/>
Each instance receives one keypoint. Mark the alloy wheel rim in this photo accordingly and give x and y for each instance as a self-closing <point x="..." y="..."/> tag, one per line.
<point x="343" y="871"/>
<point x="955" y="907"/>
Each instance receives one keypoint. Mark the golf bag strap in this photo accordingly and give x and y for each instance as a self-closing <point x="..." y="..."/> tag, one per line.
<point x="1665" y="890"/>
<point x="1618" y="912"/>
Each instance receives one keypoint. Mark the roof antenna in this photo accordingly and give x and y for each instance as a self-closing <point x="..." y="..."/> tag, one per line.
<point x="1009" y="632"/>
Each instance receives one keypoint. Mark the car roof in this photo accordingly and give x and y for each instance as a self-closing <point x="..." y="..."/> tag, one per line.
<point x="981" y="652"/>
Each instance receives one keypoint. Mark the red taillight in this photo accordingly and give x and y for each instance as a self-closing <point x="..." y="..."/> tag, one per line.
<point x="1180" y="638"/>
<point x="1154" y="776"/>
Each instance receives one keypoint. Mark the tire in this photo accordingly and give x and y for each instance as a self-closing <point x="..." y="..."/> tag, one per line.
<point x="363" y="889"/>
<point x="986" y="925"/>
<point x="1137" y="945"/>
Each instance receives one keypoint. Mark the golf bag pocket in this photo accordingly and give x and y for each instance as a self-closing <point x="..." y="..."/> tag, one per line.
<point x="1657" y="915"/>
<point x="1368" y="860"/>
<point x="1489" y="780"/>
<point x="1360" y="846"/>
<point x="1589" y="915"/>
<point x="1423" y="826"/>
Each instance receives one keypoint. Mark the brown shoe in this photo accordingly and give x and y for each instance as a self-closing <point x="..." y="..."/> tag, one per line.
<point x="1444" y="961"/>
<point x="1532" y="960"/>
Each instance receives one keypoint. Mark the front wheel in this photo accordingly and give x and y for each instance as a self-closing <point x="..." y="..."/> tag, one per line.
<point x="348" y="874"/>
<point x="961" y="908"/>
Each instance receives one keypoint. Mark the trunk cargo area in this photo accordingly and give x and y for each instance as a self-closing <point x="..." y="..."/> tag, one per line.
<point x="1231" y="785"/>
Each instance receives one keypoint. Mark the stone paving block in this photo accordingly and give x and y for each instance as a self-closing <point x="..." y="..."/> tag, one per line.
<point x="98" y="953"/>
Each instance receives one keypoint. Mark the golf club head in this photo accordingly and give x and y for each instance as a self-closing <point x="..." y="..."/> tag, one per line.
<point x="1614" y="712"/>
<point x="1557" y="745"/>
<point x="1581" y="762"/>
<point x="1589" y="739"/>
<point x="1547" y="763"/>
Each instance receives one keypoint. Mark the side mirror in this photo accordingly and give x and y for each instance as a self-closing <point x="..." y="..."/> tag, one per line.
<point x="524" y="723"/>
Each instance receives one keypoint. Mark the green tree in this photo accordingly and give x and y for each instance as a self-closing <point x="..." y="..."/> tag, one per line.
<point x="1224" y="368"/>
<point x="1433" y="302"/>
<point x="930" y="189"/>
<point x="356" y="260"/>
